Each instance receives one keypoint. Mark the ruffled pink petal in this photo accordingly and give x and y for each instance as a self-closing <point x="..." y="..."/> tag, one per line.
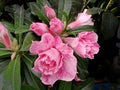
<point x="47" y="41"/>
<point x="69" y="68"/>
<point x="49" y="79"/>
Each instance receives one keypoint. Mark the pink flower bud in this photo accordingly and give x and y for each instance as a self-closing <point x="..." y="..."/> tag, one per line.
<point x="56" y="26"/>
<point x="4" y="37"/>
<point x="39" y="28"/>
<point x="82" y="19"/>
<point x="49" y="12"/>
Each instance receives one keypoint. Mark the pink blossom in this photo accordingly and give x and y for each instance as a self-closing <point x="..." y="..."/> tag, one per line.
<point x="39" y="28"/>
<point x="56" y="26"/>
<point x="85" y="44"/>
<point x="4" y="37"/>
<point x="49" y="12"/>
<point x="82" y="19"/>
<point x="55" y="59"/>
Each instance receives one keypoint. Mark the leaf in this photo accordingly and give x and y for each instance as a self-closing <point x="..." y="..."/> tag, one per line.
<point x="1" y="79"/>
<point x="5" y="53"/>
<point x="93" y="1"/>
<point x="37" y="10"/>
<point x="27" y="41"/>
<point x="9" y="26"/>
<point x="22" y="29"/>
<point x="86" y="85"/>
<point x="64" y="5"/>
<point x="82" y="67"/>
<point x="33" y="80"/>
<point x="43" y="2"/>
<point x="12" y="78"/>
<point x="65" y="85"/>
<point x="94" y="10"/>
<point x="27" y="87"/>
<point x="19" y="16"/>
<point x="80" y="29"/>
<point x="109" y="25"/>
<point x="3" y="64"/>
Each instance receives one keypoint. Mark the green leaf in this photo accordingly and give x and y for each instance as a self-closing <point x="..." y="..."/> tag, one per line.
<point x="12" y="78"/>
<point x="5" y="53"/>
<point x="64" y="5"/>
<point x="109" y="25"/>
<point x="19" y="16"/>
<point x="9" y="26"/>
<point x="80" y="29"/>
<point x="65" y="85"/>
<point x="27" y="41"/>
<point x="29" y="60"/>
<point x="1" y="79"/>
<point x="27" y="87"/>
<point x="22" y="29"/>
<point x="86" y="85"/>
<point x="37" y="10"/>
<point x="82" y="67"/>
<point x="3" y="64"/>
<point x="43" y="2"/>
<point x="33" y="81"/>
<point x="95" y="10"/>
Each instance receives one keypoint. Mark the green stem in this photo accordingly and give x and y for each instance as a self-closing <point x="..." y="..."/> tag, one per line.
<point x="108" y="5"/>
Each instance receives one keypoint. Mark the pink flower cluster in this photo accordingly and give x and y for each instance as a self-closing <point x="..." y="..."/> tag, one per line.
<point x="55" y="54"/>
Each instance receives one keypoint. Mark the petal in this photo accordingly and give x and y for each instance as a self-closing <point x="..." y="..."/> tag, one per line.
<point x="69" y="68"/>
<point x="47" y="41"/>
<point x="35" y="47"/>
<point x="49" y="80"/>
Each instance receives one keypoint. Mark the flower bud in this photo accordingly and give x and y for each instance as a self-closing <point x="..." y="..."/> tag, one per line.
<point x="4" y="37"/>
<point x="49" y="12"/>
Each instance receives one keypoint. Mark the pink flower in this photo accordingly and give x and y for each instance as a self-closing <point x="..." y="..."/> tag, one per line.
<point x="82" y="19"/>
<point x="49" y="12"/>
<point x="55" y="59"/>
<point x="85" y="44"/>
<point x="4" y="37"/>
<point x="56" y="26"/>
<point x="39" y="28"/>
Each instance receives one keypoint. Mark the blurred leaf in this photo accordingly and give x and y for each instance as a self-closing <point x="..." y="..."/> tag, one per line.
<point x="22" y="29"/>
<point x="3" y="64"/>
<point x="27" y="41"/>
<point x="27" y="87"/>
<point x="19" y="16"/>
<point x="29" y="60"/>
<point x="65" y="85"/>
<point x="4" y="53"/>
<point x="43" y="2"/>
<point x="1" y="79"/>
<point x="9" y="26"/>
<point x="86" y="85"/>
<point x="12" y="78"/>
<point x="94" y="10"/>
<point x="93" y="1"/>
<point x="109" y="25"/>
<point x="33" y="80"/>
<point x="64" y="5"/>
<point x="82" y="67"/>
<point x="37" y="10"/>
<point x="80" y="29"/>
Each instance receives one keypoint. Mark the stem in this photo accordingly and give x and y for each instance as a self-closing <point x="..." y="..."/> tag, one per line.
<point x="84" y="4"/>
<point x="49" y="87"/>
<point x="108" y="5"/>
